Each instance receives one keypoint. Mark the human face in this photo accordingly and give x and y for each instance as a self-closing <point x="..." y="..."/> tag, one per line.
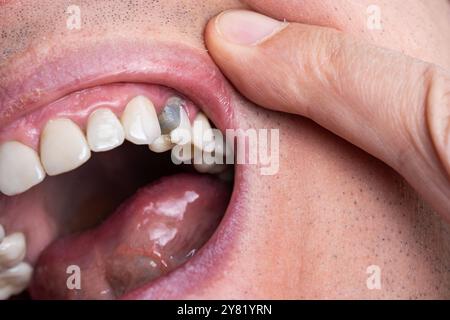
<point x="309" y="231"/>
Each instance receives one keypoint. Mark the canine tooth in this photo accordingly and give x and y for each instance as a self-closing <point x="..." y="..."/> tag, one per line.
<point x="140" y="121"/>
<point x="2" y="233"/>
<point x="15" y="280"/>
<point x="202" y="135"/>
<point x="104" y="131"/>
<point x="12" y="250"/>
<point x="182" y="134"/>
<point x="161" y="144"/>
<point x="63" y="147"/>
<point x="20" y="168"/>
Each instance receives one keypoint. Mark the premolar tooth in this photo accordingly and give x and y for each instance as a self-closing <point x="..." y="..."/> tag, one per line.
<point x="20" y="168"/>
<point x="161" y="144"/>
<point x="182" y="134"/>
<point x="104" y="131"/>
<point x="140" y="121"/>
<point x="63" y="146"/>
<point x="202" y="134"/>
<point x="12" y="250"/>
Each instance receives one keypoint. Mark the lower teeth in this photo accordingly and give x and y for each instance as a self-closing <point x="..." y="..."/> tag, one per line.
<point x="14" y="273"/>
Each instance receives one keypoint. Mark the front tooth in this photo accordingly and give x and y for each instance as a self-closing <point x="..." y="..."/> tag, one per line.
<point x="140" y="121"/>
<point x="182" y="134"/>
<point x="161" y="144"/>
<point x="15" y="280"/>
<point x="20" y="168"/>
<point x="2" y="233"/>
<point x="104" y="131"/>
<point x="12" y="250"/>
<point x="63" y="147"/>
<point x="202" y="135"/>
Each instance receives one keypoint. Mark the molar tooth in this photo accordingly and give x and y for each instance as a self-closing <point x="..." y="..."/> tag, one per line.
<point x="182" y="134"/>
<point x="15" y="280"/>
<point x="161" y="144"/>
<point x="140" y="121"/>
<point x="104" y="130"/>
<point x="20" y="168"/>
<point x="12" y="250"/>
<point x="63" y="146"/>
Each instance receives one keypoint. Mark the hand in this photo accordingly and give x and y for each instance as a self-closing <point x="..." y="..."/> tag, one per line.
<point x="393" y="106"/>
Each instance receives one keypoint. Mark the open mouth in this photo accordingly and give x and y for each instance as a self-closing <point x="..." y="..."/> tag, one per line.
<point x="92" y="177"/>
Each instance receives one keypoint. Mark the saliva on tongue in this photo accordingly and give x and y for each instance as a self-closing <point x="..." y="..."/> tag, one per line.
<point x="156" y="230"/>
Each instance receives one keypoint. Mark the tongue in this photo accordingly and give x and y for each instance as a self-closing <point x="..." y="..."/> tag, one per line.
<point x="152" y="233"/>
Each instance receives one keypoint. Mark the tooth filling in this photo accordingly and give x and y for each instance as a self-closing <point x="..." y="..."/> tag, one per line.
<point x="169" y="118"/>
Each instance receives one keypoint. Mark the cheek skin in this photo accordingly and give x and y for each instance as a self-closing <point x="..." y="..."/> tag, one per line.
<point x="331" y="211"/>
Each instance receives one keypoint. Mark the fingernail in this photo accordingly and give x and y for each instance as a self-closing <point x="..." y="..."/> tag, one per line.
<point x="246" y="27"/>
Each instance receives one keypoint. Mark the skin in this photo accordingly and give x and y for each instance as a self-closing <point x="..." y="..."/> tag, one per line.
<point x="311" y="230"/>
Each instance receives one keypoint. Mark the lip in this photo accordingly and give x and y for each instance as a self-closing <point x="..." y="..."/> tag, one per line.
<point x="190" y="71"/>
<point x="185" y="69"/>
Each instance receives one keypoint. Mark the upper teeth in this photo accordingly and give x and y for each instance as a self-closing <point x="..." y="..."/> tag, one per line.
<point x="104" y="131"/>
<point x="20" y="168"/>
<point x="140" y="121"/>
<point x="14" y="273"/>
<point x="64" y="147"/>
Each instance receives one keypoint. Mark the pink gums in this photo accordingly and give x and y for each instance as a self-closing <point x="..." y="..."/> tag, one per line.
<point x="79" y="105"/>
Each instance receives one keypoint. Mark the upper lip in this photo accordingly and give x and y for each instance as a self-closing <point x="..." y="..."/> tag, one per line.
<point x="31" y="83"/>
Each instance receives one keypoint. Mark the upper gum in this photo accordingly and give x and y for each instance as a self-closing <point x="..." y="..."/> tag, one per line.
<point x="79" y="105"/>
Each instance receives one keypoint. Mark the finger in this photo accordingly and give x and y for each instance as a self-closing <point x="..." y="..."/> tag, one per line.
<point x="382" y="101"/>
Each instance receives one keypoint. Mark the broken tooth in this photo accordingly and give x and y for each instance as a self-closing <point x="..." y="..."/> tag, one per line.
<point x="202" y="134"/>
<point x="140" y="121"/>
<point x="12" y="250"/>
<point x="15" y="280"/>
<point x="104" y="131"/>
<point x="161" y="144"/>
<point x="63" y="146"/>
<point x="20" y="168"/>
<point x="182" y="134"/>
